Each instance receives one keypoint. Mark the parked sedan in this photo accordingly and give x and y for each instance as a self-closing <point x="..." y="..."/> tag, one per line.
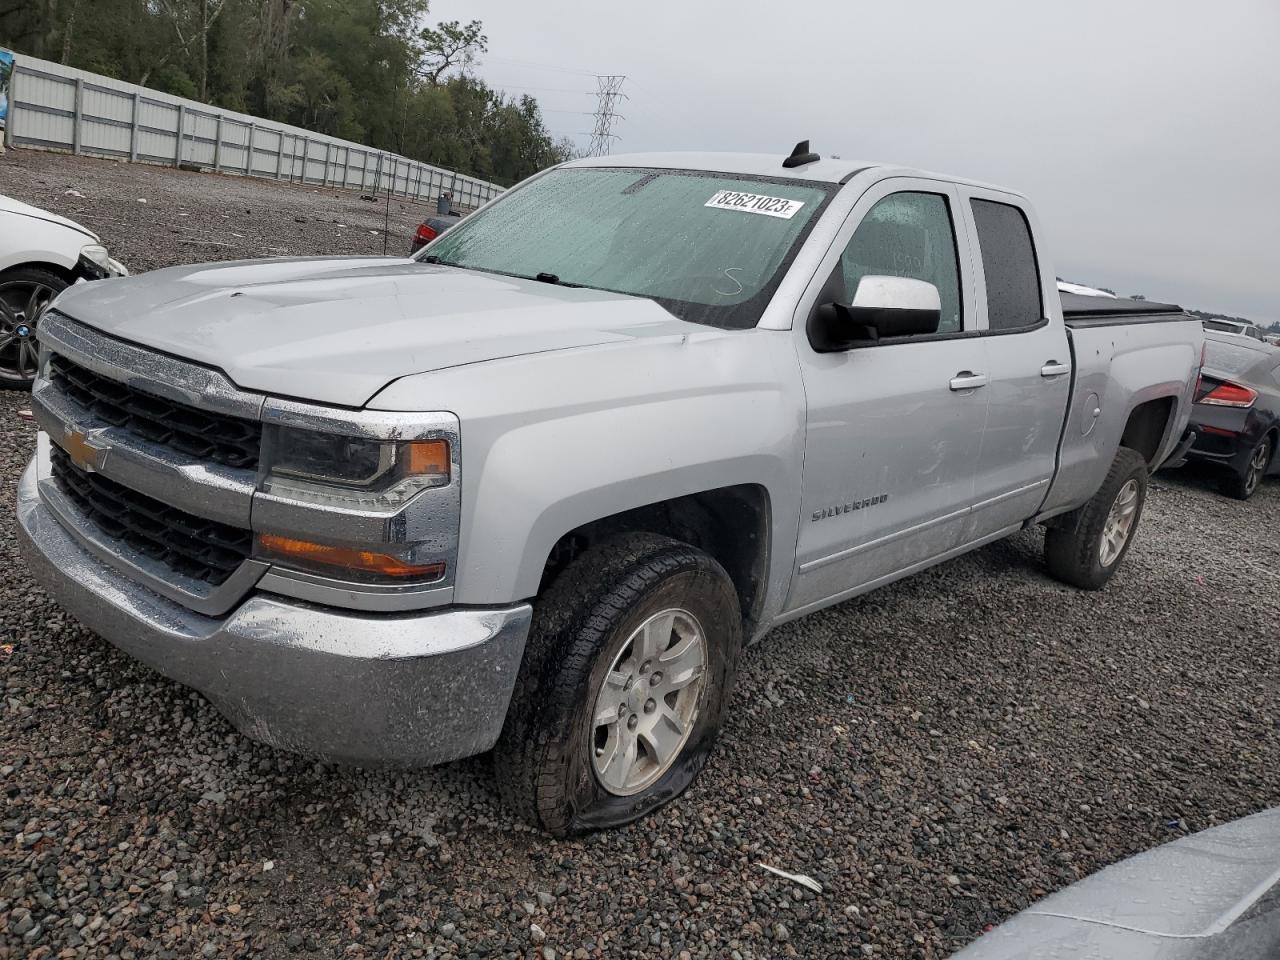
<point x="1237" y="411"/>
<point x="431" y="228"/>
<point x="41" y="254"/>
<point x="1239" y="328"/>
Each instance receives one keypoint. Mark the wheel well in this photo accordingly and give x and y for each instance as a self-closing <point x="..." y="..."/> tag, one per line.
<point x="730" y="523"/>
<point x="63" y="272"/>
<point x="1147" y="426"/>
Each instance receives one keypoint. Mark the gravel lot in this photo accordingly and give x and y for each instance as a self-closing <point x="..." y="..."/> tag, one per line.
<point x="939" y="754"/>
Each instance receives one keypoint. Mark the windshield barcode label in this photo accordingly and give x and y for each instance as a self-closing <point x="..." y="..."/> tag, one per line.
<point x="755" y="203"/>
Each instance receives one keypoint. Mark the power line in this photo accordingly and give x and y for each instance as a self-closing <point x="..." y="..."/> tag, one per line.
<point x="608" y="93"/>
<point x="519" y="86"/>
<point x="540" y="66"/>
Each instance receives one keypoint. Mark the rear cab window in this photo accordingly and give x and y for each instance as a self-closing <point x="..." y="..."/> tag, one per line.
<point x="1009" y="263"/>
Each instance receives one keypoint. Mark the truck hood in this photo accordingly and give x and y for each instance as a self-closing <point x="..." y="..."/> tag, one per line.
<point x="337" y="330"/>
<point x="10" y="205"/>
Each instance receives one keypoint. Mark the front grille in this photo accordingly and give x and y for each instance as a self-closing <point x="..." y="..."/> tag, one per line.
<point x="231" y="441"/>
<point x="197" y="548"/>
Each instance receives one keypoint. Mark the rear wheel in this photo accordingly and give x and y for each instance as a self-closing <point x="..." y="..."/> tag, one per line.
<point x="622" y="687"/>
<point x="1085" y="547"/>
<point x="24" y="293"/>
<point x="1245" y="484"/>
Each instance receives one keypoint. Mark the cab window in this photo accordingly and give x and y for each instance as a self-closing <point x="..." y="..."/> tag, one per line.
<point x="911" y="235"/>
<point x="1009" y="262"/>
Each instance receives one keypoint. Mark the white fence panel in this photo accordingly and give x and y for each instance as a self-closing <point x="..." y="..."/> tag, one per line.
<point x="61" y="108"/>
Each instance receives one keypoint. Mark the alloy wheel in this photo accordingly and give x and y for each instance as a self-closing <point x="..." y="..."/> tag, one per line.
<point x="21" y="303"/>
<point x="647" y="704"/>
<point x="1257" y="467"/>
<point x="1115" y="533"/>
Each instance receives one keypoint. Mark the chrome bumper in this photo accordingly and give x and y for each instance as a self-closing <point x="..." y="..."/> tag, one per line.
<point x="345" y="686"/>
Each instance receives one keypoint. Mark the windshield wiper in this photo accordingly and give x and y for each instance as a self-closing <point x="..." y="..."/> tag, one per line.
<point x="552" y="278"/>
<point x="436" y="261"/>
<point x="541" y="277"/>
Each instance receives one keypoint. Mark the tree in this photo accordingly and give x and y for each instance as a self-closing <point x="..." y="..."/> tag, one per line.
<point x="450" y="45"/>
<point x="363" y="70"/>
<point x="191" y="21"/>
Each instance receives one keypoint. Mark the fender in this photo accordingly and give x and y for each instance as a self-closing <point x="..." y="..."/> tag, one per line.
<point x="1119" y="368"/>
<point x="555" y="440"/>
<point x="30" y="240"/>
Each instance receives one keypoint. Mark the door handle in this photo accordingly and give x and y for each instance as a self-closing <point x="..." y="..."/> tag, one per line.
<point x="1054" y="369"/>
<point x="968" y="380"/>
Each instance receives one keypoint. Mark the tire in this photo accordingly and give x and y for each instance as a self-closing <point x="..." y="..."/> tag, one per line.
<point x="20" y="289"/>
<point x="1073" y="547"/>
<point x="548" y="755"/>
<point x="1245" y="484"/>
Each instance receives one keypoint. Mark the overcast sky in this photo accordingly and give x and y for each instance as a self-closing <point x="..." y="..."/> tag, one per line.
<point x="1147" y="132"/>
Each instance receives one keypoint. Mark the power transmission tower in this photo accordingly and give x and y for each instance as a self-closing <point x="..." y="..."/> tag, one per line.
<point x="608" y="93"/>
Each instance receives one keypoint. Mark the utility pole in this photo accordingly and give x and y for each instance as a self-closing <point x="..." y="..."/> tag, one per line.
<point x="608" y="93"/>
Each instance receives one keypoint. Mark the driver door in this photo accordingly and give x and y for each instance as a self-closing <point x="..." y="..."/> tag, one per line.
<point x="894" y="428"/>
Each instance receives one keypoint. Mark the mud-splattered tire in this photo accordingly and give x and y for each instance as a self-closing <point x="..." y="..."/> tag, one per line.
<point x="1085" y="547"/>
<point x="591" y="634"/>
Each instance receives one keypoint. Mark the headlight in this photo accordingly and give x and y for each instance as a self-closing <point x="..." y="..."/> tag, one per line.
<point x="97" y="264"/>
<point x="355" y="472"/>
<point x="366" y="497"/>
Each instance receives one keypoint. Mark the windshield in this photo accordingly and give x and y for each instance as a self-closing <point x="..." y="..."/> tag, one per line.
<point x="710" y="248"/>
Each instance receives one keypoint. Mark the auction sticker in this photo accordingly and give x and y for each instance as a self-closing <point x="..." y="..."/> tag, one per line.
<point x="755" y="203"/>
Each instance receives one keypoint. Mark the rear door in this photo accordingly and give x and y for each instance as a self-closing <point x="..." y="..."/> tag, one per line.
<point x="892" y="435"/>
<point x="1029" y="364"/>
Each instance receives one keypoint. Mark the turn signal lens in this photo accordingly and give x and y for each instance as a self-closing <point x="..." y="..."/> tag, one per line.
<point x="308" y="554"/>
<point x="1230" y="395"/>
<point x="429" y="458"/>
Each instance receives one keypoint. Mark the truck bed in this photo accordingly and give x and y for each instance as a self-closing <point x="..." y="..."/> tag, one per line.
<point x="1081" y="310"/>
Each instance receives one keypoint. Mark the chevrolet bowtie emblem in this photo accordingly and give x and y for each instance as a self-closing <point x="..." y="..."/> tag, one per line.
<point x="83" y="451"/>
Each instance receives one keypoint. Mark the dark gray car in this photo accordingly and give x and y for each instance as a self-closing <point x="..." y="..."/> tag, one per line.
<point x="1236" y="415"/>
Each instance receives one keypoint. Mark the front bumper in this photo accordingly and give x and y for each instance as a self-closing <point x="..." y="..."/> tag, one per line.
<point x="352" y="687"/>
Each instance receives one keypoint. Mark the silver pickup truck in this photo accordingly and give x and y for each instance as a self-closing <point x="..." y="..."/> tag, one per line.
<point x="533" y="490"/>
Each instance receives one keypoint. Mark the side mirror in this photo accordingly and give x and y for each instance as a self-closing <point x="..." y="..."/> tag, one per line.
<point x="882" y="307"/>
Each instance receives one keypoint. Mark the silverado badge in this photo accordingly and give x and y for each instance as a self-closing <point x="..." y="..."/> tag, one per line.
<point x="839" y="508"/>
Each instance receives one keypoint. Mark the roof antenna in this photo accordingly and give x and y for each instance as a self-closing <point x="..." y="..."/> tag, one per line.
<point x="800" y="156"/>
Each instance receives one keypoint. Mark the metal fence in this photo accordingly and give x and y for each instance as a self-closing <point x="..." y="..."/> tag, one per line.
<point x="60" y="108"/>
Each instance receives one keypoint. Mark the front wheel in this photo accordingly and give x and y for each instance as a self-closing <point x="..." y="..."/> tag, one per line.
<point x="620" y="695"/>
<point x="24" y="293"/>
<point x="1245" y="484"/>
<point x="1084" y="548"/>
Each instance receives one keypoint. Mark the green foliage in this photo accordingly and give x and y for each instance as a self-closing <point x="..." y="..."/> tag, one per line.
<point x="451" y="45"/>
<point x="365" y="70"/>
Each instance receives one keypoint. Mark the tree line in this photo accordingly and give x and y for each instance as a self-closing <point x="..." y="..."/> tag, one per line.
<point x="371" y="71"/>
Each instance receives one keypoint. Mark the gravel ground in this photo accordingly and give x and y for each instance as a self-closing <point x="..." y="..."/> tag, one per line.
<point x="939" y="754"/>
<point x="152" y="216"/>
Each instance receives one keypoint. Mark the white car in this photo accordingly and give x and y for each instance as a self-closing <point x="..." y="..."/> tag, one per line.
<point x="41" y="254"/>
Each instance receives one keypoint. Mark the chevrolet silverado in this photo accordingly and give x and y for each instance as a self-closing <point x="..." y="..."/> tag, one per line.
<point x="533" y="490"/>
